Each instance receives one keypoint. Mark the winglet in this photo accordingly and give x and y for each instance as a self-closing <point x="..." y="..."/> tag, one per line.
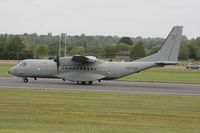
<point x="170" y="49"/>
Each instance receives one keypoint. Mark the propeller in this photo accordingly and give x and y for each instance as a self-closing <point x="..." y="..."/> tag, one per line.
<point x="57" y="60"/>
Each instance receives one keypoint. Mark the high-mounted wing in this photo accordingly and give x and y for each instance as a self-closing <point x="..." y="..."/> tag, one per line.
<point x="84" y="59"/>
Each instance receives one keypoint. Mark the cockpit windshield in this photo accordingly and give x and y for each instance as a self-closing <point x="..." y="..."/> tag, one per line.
<point x="23" y="64"/>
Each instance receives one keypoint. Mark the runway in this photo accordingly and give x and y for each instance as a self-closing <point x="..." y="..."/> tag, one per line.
<point x="104" y="86"/>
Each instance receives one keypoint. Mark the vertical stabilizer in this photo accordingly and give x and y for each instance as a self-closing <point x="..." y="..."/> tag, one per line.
<point x="170" y="49"/>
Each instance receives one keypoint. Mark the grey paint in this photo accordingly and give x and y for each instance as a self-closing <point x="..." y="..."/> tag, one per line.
<point x="80" y="68"/>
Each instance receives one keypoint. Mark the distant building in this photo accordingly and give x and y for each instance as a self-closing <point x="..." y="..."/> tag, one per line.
<point x="123" y="55"/>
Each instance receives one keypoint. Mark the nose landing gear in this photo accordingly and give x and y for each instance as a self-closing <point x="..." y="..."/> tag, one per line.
<point x="25" y="80"/>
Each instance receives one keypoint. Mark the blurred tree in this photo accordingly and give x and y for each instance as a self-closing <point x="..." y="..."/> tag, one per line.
<point x="184" y="52"/>
<point x="14" y="46"/>
<point x="80" y="50"/>
<point x="126" y="40"/>
<point x="137" y="51"/>
<point x="122" y="47"/>
<point x="109" y="50"/>
<point x="42" y="50"/>
<point x="155" y="49"/>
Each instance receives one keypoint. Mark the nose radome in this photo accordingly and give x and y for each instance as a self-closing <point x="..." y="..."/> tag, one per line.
<point x="11" y="71"/>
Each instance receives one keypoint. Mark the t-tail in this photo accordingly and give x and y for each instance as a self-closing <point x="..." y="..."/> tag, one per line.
<point x="168" y="54"/>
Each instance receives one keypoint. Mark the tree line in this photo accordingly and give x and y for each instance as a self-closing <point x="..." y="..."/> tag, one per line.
<point x="28" y="46"/>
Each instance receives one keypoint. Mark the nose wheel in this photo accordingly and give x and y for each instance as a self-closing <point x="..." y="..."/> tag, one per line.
<point x="25" y="80"/>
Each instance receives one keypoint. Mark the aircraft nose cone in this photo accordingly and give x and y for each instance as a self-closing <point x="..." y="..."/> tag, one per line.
<point x="11" y="71"/>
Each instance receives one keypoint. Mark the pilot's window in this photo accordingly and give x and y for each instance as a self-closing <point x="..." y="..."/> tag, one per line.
<point x="23" y="64"/>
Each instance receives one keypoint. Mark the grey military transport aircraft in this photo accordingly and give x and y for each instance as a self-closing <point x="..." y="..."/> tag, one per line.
<point x="86" y="69"/>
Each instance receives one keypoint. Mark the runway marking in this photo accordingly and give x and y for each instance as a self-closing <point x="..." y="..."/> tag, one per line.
<point x="89" y="90"/>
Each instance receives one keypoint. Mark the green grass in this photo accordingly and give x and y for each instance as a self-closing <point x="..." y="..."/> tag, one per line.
<point x="42" y="111"/>
<point x="166" y="75"/>
<point x="4" y="70"/>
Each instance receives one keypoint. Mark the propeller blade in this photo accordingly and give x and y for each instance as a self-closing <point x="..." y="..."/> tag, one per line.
<point x="57" y="60"/>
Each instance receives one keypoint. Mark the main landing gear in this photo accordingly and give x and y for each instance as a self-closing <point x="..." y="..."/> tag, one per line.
<point x="83" y="82"/>
<point x="25" y="80"/>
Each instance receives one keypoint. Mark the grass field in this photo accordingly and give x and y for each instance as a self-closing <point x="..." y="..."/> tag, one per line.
<point x="4" y="69"/>
<point x="166" y="75"/>
<point x="42" y="111"/>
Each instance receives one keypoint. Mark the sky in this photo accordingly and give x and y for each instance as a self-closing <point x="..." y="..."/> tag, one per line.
<point x="146" y="18"/>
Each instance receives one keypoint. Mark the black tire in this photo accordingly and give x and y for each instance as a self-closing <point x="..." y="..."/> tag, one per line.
<point x="25" y="80"/>
<point x="83" y="82"/>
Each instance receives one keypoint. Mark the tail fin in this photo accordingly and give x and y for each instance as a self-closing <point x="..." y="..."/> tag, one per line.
<point x="168" y="54"/>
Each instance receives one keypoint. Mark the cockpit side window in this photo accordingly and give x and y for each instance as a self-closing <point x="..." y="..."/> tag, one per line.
<point x="23" y="64"/>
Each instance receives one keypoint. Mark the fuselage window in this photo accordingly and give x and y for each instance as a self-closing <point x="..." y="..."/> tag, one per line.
<point x="65" y="68"/>
<point x="88" y="68"/>
<point x="70" y="68"/>
<point x="73" y="68"/>
<point x="84" y="68"/>
<point x="77" y="68"/>
<point x="91" y="68"/>
<point x="81" y="68"/>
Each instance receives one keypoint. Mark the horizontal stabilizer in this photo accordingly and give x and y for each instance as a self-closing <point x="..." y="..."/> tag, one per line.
<point x="166" y="63"/>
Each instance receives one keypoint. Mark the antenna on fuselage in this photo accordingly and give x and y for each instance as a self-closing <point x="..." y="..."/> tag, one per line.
<point x="65" y="44"/>
<point x="57" y="60"/>
<point x="59" y="52"/>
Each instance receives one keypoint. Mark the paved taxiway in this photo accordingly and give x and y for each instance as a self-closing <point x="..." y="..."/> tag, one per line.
<point x="105" y="86"/>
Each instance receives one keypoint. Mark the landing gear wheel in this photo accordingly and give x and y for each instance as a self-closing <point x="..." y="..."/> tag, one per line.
<point x="90" y="82"/>
<point x="25" y="80"/>
<point x="83" y="83"/>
